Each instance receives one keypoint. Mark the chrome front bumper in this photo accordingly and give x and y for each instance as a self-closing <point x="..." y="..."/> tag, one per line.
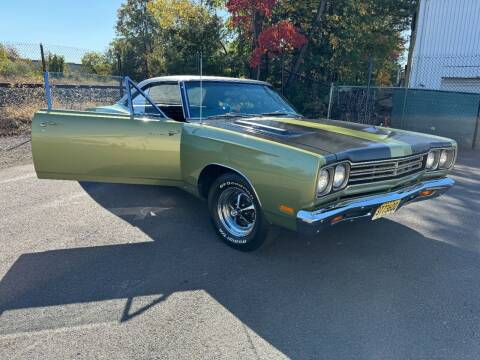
<point x="312" y="222"/>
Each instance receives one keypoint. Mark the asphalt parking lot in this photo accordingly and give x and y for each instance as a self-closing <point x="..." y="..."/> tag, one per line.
<point x="121" y="271"/>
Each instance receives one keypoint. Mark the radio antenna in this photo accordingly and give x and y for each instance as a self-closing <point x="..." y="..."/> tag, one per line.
<point x="201" y="75"/>
<point x="201" y="87"/>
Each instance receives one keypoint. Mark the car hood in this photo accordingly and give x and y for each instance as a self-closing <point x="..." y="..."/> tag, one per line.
<point x="336" y="140"/>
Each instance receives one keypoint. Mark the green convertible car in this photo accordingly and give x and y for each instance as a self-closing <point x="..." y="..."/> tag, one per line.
<point x="241" y="146"/>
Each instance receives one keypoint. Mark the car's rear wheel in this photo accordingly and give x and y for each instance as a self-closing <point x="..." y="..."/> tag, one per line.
<point x="236" y="213"/>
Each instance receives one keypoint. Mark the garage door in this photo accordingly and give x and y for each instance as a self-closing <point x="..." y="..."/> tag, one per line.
<point x="461" y="84"/>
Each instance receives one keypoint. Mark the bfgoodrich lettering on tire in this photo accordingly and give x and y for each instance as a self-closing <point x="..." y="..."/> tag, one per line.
<point x="236" y="213"/>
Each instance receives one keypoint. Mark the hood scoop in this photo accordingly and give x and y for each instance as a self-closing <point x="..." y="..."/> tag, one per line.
<point x="255" y="127"/>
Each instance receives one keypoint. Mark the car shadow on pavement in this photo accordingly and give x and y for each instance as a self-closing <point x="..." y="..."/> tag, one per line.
<point x="363" y="289"/>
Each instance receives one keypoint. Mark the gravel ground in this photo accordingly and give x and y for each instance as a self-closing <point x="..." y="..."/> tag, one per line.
<point x="122" y="271"/>
<point x="15" y="150"/>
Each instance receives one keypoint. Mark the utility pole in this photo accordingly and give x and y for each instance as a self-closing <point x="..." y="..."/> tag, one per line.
<point x="301" y="55"/>
<point x="411" y="47"/>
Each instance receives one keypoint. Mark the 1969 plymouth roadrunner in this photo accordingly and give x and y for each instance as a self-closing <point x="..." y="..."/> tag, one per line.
<point x="242" y="147"/>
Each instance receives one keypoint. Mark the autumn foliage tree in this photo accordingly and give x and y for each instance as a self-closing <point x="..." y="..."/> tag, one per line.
<point x="267" y="39"/>
<point x="275" y="40"/>
<point x="299" y="46"/>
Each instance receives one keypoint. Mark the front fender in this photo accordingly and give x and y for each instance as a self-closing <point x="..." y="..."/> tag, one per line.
<point x="279" y="173"/>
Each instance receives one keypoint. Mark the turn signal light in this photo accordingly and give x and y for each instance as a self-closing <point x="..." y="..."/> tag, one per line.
<point x="426" y="193"/>
<point x="286" y="209"/>
<point x="336" y="219"/>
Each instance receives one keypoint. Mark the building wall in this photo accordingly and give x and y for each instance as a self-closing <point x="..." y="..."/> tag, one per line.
<point x="447" y="46"/>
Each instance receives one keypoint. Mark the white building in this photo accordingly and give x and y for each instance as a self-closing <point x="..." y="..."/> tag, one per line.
<point x="446" y="55"/>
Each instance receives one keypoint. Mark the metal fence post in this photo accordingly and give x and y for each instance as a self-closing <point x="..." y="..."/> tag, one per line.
<point x="475" y="133"/>
<point x="48" y="94"/>
<point x="330" y="100"/>
<point x="121" y="86"/>
<point x="42" y="54"/>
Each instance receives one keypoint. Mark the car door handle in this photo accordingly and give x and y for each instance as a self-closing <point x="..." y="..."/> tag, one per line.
<point x="47" y="123"/>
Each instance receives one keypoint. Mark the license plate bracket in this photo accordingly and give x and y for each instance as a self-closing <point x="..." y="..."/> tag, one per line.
<point x="385" y="209"/>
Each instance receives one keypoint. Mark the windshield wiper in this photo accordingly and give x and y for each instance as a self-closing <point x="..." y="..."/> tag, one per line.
<point x="229" y="115"/>
<point x="280" y="113"/>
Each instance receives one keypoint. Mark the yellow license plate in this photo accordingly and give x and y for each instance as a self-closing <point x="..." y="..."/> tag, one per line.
<point x="386" y="209"/>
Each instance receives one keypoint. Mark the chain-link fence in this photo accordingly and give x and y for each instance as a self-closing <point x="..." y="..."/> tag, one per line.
<point x="452" y="114"/>
<point x="309" y="96"/>
<point x="442" y="98"/>
<point x="451" y="73"/>
<point x="72" y="87"/>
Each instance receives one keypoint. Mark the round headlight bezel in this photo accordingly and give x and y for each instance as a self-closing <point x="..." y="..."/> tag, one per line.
<point x="325" y="177"/>
<point x="431" y="159"/>
<point x="340" y="184"/>
<point x="330" y="186"/>
<point x="442" y="159"/>
<point x="438" y="165"/>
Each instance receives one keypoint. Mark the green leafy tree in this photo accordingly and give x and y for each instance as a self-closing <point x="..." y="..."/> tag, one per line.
<point x="11" y="65"/>
<point x="345" y="37"/>
<point x="56" y="63"/>
<point x="3" y="59"/>
<point x="185" y="30"/>
<point x="96" y="63"/>
<point x="136" y="29"/>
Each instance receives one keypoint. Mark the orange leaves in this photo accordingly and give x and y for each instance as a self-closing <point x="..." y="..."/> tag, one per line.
<point x="272" y="40"/>
<point x="275" y="40"/>
<point x="244" y="11"/>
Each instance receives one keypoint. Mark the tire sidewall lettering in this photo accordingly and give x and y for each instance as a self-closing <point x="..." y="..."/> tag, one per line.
<point x="222" y="186"/>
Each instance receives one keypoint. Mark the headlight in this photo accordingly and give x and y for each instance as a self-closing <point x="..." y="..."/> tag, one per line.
<point x="440" y="159"/>
<point x="332" y="178"/>
<point x="447" y="158"/>
<point x="340" y="176"/>
<point x="443" y="159"/>
<point x="323" y="182"/>
<point x="430" y="160"/>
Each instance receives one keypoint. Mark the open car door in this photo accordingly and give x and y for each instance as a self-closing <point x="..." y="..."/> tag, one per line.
<point x="142" y="146"/>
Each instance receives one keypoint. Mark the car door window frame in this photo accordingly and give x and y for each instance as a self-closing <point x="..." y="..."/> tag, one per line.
<point x="128" y="85"/>
<point x="147" y="86"/>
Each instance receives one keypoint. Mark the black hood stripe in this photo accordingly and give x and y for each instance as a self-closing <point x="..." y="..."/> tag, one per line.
<point x="340" y="146"/>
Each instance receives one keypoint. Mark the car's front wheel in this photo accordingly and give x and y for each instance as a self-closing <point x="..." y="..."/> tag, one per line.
<point x="236" y="213"/>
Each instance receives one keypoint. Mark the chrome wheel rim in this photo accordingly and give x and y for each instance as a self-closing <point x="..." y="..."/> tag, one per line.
<point x="236" y="211"/>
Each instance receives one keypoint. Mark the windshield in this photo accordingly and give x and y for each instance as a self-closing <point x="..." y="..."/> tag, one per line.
<point x="235" y="99"/>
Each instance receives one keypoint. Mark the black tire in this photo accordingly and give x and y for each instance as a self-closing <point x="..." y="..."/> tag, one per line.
<point x="252" y="228"/>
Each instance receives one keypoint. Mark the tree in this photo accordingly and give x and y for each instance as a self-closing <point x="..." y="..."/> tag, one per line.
<point x="276" y="40"/>
<point x="252" y="18"/>
<point x="185" y="30"/>
<point x="96" y="63"/>
<point x="304" y="48"/>
<point x="344" y="37"/>
<point x="166" y="36"/>
<point x="12" y="65"/>
<point x="56" y="63"/>
<point x="3" y="59"/>
<point x="136" y="28"/>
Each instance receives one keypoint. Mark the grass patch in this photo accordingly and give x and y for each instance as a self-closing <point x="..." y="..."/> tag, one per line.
<point x="17" y="120"/>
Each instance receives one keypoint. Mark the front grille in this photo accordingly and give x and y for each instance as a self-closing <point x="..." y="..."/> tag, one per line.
<point x="372" y="171"/>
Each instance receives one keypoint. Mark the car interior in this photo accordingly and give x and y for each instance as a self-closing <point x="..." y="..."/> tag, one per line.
<point x="165" y="95"/>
